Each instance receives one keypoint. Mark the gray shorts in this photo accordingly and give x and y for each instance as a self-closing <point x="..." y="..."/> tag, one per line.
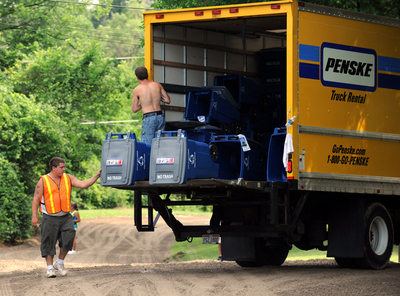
<point x="59" y="228"/>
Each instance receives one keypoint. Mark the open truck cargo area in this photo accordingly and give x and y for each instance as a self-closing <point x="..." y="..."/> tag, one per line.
<point x="315" y="91"/>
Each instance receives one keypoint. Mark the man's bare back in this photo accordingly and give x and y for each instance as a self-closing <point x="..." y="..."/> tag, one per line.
<point x="150" y="94"/>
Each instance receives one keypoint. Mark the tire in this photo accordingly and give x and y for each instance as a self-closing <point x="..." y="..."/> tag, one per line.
<point x="346" y="262"/>
<point x="213" y="152"/>
<point x="378" y="238"/>
<point x="275" y="256"/>
<point x="236" y="127"/>
<point x="248" y="264"/>
<point x="264" y="255"/>
<point x="225" y="129"/>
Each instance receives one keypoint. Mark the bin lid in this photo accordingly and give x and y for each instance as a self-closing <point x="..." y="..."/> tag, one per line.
<point x="224" y="93"/>
<point x="182" y="124"/>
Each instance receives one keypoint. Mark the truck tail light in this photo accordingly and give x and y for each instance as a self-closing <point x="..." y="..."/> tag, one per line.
<point x="234" y="10"/>
<point x="275" y="6"/>
<point x="159" y="16"/>
<point x="199" y="13"/>
<point x="214" y="12"/>
<point x="289" y="166"/>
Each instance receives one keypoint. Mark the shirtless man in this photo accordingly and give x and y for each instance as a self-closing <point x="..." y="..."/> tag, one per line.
<point x="150" y="94"/>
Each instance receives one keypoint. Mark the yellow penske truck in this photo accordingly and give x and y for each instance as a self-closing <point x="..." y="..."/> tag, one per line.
<point x="315" y="91"/>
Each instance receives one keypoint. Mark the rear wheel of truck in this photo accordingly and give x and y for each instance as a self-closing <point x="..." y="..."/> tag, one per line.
<point x="346" y="262"/>
<point x="275" y="256"/>
<point x="266" y="255"/>
<point x="378" y="237"/>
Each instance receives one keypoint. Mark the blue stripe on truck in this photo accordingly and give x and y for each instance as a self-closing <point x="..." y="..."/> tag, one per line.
<point x="309" y="52"/>
<point x="388" y="64"/>
<point x="310" y="71"/>
<point x="388" y="81"/>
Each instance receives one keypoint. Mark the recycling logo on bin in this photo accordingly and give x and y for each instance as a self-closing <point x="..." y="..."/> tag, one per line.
<point x="140" y="160"/>
<point x="192" y="158"/>
<point x="215" y="105"/>
<point x="246" y="162"/>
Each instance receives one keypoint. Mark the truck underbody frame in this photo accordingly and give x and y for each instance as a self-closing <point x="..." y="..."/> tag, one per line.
<point x="282" y="217"/>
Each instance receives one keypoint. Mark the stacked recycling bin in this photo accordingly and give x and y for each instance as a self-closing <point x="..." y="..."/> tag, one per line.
<point x="176" y="159"/>
<point x="275" y="169"/>
<point x="236" y="162"/>
<point x="214" y="107"/>
<point x="273" y="79"/>
<point x="124" y="160"/>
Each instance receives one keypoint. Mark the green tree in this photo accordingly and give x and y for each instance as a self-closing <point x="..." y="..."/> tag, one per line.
<point x="120" y="35"/>
<point x="82" y="85"/>
<point x="14" y="204"/>
<point x="26" y="22"/>
<point x="120" y="31"/>
<point x="30" y="134"/>
<point x="53" y="78"/>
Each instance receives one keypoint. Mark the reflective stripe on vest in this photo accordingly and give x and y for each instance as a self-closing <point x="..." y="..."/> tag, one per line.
<point x="57" y="198"/>
<point x="68" y="191"/>
<point x="46" y="181"/>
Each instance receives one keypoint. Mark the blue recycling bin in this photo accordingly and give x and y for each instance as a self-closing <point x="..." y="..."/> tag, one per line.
<point x="212" y="107"/>
<point x="272" y="66"/>
<point x="176" y="159"/>
<point x="244" y="90"/>
<point x="203" y="133"/>
<point x="275" y="169"/>
<point x="124" y="160"/>
<point x="234" y="163"/>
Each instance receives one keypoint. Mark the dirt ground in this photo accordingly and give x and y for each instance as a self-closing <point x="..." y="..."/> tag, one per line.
<point x="114" y="259"/>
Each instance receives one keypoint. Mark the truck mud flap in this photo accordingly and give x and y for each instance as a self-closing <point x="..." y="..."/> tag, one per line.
<point x="346" y="227"/>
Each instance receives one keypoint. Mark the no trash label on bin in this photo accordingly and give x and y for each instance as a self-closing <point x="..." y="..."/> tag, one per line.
<point x="165" y="176"/>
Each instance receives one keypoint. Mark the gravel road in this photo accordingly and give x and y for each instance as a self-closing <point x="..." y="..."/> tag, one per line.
<point x="114" y="259"/>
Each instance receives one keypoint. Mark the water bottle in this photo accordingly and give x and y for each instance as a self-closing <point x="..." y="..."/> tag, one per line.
<point x="290" y="122"/>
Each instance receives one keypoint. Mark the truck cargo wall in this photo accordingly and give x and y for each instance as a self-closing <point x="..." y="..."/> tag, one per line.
<point x="348" y="104"/>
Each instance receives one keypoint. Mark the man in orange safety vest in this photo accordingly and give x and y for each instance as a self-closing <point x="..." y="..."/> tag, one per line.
<point x="53" y="195"/>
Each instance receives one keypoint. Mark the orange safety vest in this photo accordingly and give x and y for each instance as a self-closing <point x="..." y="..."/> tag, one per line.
<point x="57" y="199"/>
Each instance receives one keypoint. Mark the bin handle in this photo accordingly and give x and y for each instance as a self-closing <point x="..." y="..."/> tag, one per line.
<point x="128" y="136"/>
<point x="179" y="135"/>
<point x="109" y="135"/>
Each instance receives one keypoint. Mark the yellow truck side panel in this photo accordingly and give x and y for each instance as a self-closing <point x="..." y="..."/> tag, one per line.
<point x="349" y="100"/>
<point x="333" y="107"/>
<point x="327" y="154"/>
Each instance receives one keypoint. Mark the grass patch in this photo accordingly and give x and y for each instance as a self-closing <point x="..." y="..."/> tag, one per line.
<point x="185" y="251"/>
<point x="109" y="213"/>
<point x="103" y="213"/>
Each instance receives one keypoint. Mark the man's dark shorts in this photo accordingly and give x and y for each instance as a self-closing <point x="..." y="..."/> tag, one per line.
<point x="56" y="228"/>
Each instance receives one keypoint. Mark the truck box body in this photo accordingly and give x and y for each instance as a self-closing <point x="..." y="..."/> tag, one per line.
<point x="343" y="81"/>
<point x="336" y="75"/>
